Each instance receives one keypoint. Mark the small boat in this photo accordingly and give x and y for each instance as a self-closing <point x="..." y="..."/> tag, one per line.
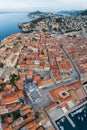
<point x="84" y="111"/>
<point x="84" y="115"/>
<point x="58" y="123"/>
<point x="72" y="114"/>
<point x="79" y="117"/>
<point x="62" y="119"/>
<point x="61" y="127"/>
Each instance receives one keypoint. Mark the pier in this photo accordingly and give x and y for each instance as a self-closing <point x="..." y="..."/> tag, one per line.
<point x="71" y="122"/>
<point x="68" y="118"/>
<point x="67" y="114"/>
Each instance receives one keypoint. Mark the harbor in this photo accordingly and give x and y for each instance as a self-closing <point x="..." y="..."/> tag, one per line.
<point x="74" y="120"/>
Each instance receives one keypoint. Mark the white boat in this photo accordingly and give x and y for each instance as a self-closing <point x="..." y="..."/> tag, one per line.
<point x="62" y="119"/>
<point x="84" y="115"/>
<point x="61" y="127"/>
<point x="58" y="123"/>
<point x="72" y="114"/>
<point x="79" y="117"/>
<point x="84" y="111"/>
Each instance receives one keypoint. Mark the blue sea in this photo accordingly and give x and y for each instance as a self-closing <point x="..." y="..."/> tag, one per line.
<point x="79" y="117"/>
<point x="9" y="23"/>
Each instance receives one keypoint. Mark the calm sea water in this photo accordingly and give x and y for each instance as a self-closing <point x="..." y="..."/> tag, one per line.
<point x="79" y="117"/>
<point x="9" y="23"/>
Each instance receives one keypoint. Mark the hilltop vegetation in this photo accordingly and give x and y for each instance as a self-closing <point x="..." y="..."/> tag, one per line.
<point x="83" y="12"/>
<point x="71" y="12"/>
<point x="37" y="14"/>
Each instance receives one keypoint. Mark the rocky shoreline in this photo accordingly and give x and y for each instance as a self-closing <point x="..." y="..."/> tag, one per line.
<point x="29" y="26"/>
<point x="24" y="27"/>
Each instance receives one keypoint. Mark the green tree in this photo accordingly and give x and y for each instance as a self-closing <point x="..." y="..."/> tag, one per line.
<point x="44" y="30"/>
<point x="25" y="59"/>
<point x="42" y="52"/>
<point x="2" y="85"/>
<point x="55" y="29"/>
<point x="13" y="77"/>
<point x="16" y="114"/>
<point x="25" y="46"/>
<point x="32" y="25"/>
<point x="34" y="39"/>
<point x="1" y="64"/>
